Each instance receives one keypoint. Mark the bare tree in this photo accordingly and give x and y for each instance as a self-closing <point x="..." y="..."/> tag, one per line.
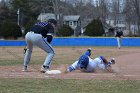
<point x="102" y="9"/>
<point x="136" y="5"/>
<point x="116" y="10"/>
<point x="129" y="13"/>
<point x="4" y="11"/>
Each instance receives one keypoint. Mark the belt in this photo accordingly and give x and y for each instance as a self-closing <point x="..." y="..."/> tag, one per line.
<point x="35" y="32"/>
<point x="38" y="33"/>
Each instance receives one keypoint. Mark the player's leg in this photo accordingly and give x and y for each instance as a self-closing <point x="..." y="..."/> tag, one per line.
<point x="43" y="44"/>
<point x="28" y="52"/>
<point x="118" y="41"/>
<point x="88" y="52"/>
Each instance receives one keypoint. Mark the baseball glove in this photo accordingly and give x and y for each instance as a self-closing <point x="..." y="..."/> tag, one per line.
<point x="25" y="49"/>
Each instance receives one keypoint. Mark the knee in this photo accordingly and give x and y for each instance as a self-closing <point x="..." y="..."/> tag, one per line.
<point x="52" y="52"/>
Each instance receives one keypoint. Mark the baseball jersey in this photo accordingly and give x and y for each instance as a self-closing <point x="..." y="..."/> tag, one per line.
<point x="43" y="28"/>
<point x="92" y="65"/>
<point x="119" y="33"/>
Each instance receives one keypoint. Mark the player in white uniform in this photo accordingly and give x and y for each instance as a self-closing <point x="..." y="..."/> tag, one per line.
<point x="86" y="64"/>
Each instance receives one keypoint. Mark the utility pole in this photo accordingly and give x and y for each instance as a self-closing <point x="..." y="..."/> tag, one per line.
<point x="18" y="13"/>
<point x="56" y="8"/>
<point x="42" y="11"/>
<point x="56" y="12"/>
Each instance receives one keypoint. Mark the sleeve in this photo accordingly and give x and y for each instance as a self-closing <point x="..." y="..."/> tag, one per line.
<point x="73" y="67"/>
<point x="122" y="33"/>
<point x="116" y="34"/>
<point x="104" y="59"/>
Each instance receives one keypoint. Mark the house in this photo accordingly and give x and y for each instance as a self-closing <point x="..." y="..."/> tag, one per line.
<point x="119" y="23"/>
<point x="109" y="30"/>
<point x="74" y="22"/>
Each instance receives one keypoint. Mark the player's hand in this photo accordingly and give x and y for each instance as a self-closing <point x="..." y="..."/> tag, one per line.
<point x="109" y="69"/>
<point x="64" y="69"/>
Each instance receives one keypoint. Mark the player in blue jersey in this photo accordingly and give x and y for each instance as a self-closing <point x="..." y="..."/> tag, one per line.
<point x="41" y="35"/>
<point x="86" y="64"/>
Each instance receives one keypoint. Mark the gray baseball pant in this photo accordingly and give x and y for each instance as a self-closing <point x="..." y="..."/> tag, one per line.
<point x="37" y="39"/>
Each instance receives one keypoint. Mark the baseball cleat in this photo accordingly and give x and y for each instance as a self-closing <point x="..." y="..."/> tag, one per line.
<point x="25" y="69"/>
<point x="44" y="69"/>
<point x="89" y="49"/>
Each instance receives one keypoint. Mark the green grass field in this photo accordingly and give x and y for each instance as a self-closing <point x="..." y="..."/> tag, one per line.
<point x="68" y="86"/>
<point x="24" y="85"/>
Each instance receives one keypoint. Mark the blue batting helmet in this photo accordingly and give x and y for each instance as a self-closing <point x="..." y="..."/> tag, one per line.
<point x="83" y="61"/>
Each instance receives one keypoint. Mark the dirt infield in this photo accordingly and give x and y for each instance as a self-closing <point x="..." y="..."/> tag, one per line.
<point x="127" y="66"/>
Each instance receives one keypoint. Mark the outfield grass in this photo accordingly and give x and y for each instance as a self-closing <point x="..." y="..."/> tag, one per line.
<point x="68" y="86"/>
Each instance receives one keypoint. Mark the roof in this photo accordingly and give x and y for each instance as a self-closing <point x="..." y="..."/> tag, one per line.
<point x="118" y="17"/>
<point x="107" y="25"/>
<point x="71" y="18"/>
<point x="46" y="16"/>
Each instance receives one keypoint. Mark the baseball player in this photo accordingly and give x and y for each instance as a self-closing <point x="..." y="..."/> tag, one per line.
<point x="86" y="64"/>
<point x="119" y="35"/>
<point x="41" y="35"/>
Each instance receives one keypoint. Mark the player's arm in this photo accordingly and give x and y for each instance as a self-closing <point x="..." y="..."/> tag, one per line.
<point x="108" y="66"/>
<point x="72" y="67"/>
<point x="104" y="60"/>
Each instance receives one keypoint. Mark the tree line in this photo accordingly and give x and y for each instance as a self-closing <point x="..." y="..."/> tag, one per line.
<point x="30" y="9"/>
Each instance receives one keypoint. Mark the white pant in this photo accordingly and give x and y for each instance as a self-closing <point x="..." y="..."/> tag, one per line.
<point x="37" y="39"/>
<point x="92" y="65"/>
<point x="119" y="41"/>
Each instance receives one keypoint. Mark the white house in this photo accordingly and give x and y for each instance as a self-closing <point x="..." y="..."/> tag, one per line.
<point x="74" y="22"/>
<point x="119" y="22"/>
